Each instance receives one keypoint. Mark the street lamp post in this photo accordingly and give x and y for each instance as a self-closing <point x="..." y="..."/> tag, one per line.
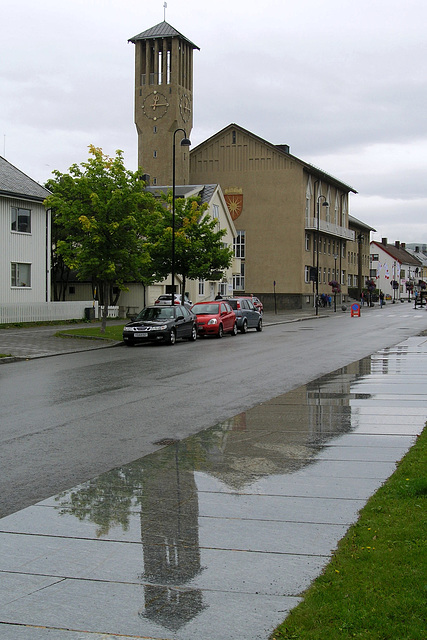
<point x="337" y="280"/>
<point x="324" y="204"/>
<point x="185" y="142"/>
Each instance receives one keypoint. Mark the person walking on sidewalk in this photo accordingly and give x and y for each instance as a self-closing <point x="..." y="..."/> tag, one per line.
<point x="381" y="299"/>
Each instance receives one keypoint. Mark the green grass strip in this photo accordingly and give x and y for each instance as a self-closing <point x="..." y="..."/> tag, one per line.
<point x="112" y="332"/>
<point x="375" y="586"/>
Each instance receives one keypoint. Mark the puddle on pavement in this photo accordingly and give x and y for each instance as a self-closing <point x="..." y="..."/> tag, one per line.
<point x="252" y="506"/>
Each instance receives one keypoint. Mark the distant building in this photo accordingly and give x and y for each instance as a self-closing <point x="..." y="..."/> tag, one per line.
<point x="395" y="270"/>
<point x="417" y="247"/>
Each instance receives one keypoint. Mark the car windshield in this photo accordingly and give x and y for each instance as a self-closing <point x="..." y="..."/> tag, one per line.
<point x="205" y="309"/>
<point x="156" y="313"/>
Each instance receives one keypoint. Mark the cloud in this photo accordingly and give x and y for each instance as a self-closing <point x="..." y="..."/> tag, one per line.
<point x="342" y="83"/>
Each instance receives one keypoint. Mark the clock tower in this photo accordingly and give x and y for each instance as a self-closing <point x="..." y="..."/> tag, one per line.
<point x="163" y="101"/>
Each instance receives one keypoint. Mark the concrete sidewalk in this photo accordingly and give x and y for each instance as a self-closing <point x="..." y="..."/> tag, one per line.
<point x="215" y="536"/>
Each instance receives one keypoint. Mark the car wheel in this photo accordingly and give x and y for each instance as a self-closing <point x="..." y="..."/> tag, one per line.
<point x="172" y="337"/>
<point x="234" y="332"/>
<point x="244" y="328"/>
<point x="193" y="335"/>
<point x="220" y="331"/>
<point x="259" y="325"/>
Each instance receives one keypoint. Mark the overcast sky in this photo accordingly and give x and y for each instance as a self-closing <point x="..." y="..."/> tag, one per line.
<point x="343" y="83"/>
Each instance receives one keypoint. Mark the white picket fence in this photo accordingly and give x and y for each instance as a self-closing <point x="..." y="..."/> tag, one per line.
<point x="43" y="311"/>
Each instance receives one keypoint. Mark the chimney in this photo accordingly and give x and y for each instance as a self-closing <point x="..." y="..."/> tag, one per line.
<point x="403" y="245"/>
<point x="397" y="244"/>
<point x="417" y="249"/>
<point x="384" y="242"/>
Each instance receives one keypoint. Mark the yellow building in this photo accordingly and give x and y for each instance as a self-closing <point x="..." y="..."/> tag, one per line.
<point x="291" y="217"/>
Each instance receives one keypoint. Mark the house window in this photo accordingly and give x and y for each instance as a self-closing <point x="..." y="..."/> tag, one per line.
<point x="154" y="154"/>
<point x="233" y="137"/>
<point x="201" y="287"/>
<point x="307" y="242"/>
<point x="375" y="257"/>
<point x="20" y="274"/>
<point x="222" y="288"/>
<point x="239" y="281"/>
<point x="215" y="211"/>
<point x="306" y="274"/>
<point x="21" y="220"/>
<point x="239" y="245"/>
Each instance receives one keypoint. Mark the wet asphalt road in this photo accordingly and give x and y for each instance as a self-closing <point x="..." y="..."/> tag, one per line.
<point x="67" y="418"/>
<point x="213" y="535"/>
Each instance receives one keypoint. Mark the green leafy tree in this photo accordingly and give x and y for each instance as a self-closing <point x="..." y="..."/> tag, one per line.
<point x="200" y="252"/>
<point x="104" y="215"/>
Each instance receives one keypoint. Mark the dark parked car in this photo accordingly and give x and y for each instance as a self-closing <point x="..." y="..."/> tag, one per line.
<point x="161" y="323"/>
<point x="256" y="302"/>
<point x="246" y="315"/>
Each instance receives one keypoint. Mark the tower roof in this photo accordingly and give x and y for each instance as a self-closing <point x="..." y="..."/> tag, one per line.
<point x="161" y="30"/>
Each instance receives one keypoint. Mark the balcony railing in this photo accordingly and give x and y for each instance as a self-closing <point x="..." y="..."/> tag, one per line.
<point x="329" y="227"/>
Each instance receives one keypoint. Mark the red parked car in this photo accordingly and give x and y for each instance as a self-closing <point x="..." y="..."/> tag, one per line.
<point x="215" y="318"/>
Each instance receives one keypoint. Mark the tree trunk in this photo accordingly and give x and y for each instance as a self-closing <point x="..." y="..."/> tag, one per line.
<point x="105" y="288"/>
<point x="183" y="289"/>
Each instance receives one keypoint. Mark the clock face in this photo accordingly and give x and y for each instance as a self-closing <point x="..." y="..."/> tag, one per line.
<point x="185" y="108"/>
<point x="155" y="105"/>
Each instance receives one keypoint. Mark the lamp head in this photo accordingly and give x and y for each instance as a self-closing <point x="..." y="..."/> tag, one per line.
<point x="325" y="204"/>
<point x="185" y="142"/>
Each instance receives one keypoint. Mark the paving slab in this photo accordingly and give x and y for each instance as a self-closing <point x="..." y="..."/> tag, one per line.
<point x="215" y="536"/>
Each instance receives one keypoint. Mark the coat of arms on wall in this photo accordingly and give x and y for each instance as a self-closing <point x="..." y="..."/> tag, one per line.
<point x="234" y="200"/>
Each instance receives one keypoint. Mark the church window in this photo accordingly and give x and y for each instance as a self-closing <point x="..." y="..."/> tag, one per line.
<point x="239" y="281"/>
<point x="239" y="245"/>
<point x="168" y="66"/>
<point x="233" y="137"/>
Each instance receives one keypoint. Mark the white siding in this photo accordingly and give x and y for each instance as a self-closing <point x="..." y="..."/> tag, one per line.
<point x="29" y="248"/>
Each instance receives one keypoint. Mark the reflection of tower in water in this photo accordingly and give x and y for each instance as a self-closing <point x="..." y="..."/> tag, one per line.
<point x="170" y="540"/>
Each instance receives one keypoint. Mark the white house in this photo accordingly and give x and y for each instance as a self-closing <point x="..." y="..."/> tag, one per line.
<point x="24" y="238"/>
<point x="25" y="243"/>
<point x="391" y="263"/>
<point x="218" y="210"/>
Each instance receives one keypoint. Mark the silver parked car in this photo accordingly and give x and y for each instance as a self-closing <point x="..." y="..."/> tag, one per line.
<point x="246" y="315"/>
